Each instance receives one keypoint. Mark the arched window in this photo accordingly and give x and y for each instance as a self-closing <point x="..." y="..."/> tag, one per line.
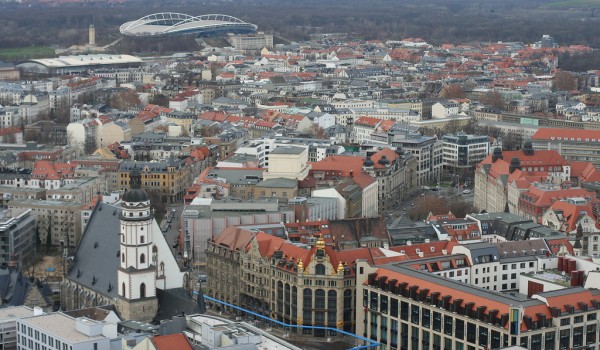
<point x="331" y="299"/>
<point x="123" y="288"/>
<point x="319" y="299"/>
<point x="142" y="259"/>
<point x="123" y="257"/>
<point x="155" y="256"/>
<point x="161" y="270"/>
<point x="320" y="269"/>
<point x="307" y="298"/>
<point x="142" y="290"/>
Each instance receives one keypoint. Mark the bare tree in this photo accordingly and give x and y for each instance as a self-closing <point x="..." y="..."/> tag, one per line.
<point x="563" y="81"/>
<point x="494" y="99"/>
<point x="124" y="100"/>
<point x="452" y="91"/>
<point x="317" y="132"/>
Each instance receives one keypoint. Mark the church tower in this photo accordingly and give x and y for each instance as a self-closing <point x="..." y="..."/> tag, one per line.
<point x="136" y="274"/>
<point x="92" y="36"/>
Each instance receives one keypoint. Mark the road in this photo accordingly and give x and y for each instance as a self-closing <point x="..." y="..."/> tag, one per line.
<point x="401" y="208"/>
<point x="172" y="229"/>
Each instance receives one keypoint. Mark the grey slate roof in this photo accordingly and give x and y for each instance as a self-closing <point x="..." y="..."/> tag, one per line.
<point x="98" y="248"/>
<point x="13" y="287"/>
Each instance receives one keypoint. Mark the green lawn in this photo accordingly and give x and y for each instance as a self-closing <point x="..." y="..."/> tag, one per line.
<point x="22" y="53"/>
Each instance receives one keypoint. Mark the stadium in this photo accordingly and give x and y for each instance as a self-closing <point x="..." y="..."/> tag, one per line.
<point x="171" y="23"/>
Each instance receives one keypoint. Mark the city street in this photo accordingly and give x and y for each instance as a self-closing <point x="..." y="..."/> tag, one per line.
<point x="171" y="225"/>
<point x="403" y="207"/>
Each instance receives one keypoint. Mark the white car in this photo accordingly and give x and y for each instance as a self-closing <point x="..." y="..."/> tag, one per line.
<point x="466" y="192"/>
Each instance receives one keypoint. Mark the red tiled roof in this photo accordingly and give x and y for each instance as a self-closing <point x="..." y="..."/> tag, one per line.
<point x="342" y="165"/>
<point x="567" y="134"/>
<point x="455" y="294"/>
<point x="234" y="238"/>
<point x="172" y="341"/>
<point x="368" y="121"/>
<point x="426" y="248"/>
<point x="571" y="213"/>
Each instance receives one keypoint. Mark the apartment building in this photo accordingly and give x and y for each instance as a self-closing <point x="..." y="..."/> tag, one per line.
<point x="495" y="172"/>
<point x="61" y="219"/>
<point x="168" y="177"/>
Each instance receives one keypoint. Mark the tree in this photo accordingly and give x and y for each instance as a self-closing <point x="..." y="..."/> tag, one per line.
<point x="160" y="100"/>
<point x="563" y="81"/>
<point x="511" y="141"/>
<point x="62" y="112"/>
<point x="31" y="265"/>
<point x="425" y="205"/>
<point x="493" y="98"/>
<point x="317" y="132"/>
<point x="49" y="237"/>
<point x="124" y="100"/>
<point x="439" y="205"/>
<point x="210" y="131"/>
<point x="157" y="205"/>
<point x="452" y="91"/>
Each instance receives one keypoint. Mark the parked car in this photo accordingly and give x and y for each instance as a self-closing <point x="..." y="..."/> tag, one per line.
<point x="466" y="191"/>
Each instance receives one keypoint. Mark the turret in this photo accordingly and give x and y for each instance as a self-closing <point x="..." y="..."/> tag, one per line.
<point x="515" y="164"/>
<point x="384" y="161"/>
<point x="368" y="162"/>
<point x="497" y="154"/>
<point x="528" y="148"/>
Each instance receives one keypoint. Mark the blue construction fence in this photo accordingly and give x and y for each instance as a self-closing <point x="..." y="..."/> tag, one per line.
<point x="370" y="343"/>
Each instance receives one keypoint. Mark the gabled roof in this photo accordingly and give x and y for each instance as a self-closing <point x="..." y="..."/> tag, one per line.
<point x="571" y="214"/>
<point x="234" y="238"/>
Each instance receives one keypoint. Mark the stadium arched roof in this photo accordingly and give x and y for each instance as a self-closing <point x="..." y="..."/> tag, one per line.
<point x="172" y="23"/>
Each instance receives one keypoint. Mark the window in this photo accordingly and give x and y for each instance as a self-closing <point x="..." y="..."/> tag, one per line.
<point x="448" y="321"/>
<point x="142" y="290"/>
<point x="383" y="304"/>
<point x="404" y="310"/>
<point x="415" y="314"/>
<point x="142" y="239"/>
<point x="425" y="318"/>
<point x="142" y="258"/>
<point x="460" y="329"/>
<point x="437" y="321"/>
<point x="122" y="289"/>
<point x="319" y="269"/>
<point x="471" y="332"/>
<point x="483" y="336"/>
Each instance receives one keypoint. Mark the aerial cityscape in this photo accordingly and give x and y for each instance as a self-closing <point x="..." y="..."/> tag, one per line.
<point x="310" y="175"/>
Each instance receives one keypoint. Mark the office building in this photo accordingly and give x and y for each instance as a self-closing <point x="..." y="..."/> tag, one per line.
<point x="412" y="309"/>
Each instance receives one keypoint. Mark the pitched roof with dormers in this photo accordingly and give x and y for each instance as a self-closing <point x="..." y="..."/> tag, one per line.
<point x="428" y="249"/>
<point x="371" y="122"/>
<point x="47" y="170"/>
<point x="569" y="214"/>
<point x="478" y="299"/>
<point x="570" y="135"/>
